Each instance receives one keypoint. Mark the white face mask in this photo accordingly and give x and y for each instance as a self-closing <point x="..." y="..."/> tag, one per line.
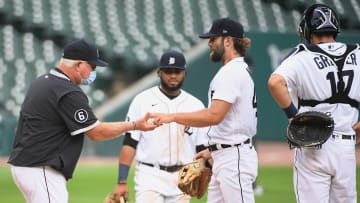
<point x="90" y="79"/>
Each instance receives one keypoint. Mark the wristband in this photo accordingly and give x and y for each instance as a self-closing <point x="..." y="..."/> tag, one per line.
<point x="290" y="111"/>
<point x="123" y="173"/>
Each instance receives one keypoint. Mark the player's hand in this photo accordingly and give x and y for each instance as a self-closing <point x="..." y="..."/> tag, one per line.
<point x="121" y="190"/>
<point x="356" y="128"/>
<point x="144" y="125"/>
<point x="205" y="154"/>
<point x="161" y="118"/>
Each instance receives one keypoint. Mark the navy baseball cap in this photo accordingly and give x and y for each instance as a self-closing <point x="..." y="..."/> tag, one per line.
<point x="172" y="59"/>
<point x="224" y="27"/>
<point x="82" y="50"/>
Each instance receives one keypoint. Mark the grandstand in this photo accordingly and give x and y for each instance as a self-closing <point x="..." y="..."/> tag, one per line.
<point x="131" y="35"/>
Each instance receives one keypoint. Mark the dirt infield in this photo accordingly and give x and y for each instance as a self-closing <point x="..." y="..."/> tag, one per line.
<point x="279" y="154"/>
<point x="274" y="154"/>
<point x="270" y="154"/>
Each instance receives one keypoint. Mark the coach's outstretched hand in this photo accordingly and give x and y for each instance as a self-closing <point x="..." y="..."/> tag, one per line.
<point x="143" y="124"/>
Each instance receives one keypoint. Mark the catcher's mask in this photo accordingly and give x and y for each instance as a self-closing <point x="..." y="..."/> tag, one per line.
<point x="319" y="18"/>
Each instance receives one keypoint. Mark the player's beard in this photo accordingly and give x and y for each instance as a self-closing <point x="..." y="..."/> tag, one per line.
<point x="217" y="54"/>
<point x="169" y="88"/>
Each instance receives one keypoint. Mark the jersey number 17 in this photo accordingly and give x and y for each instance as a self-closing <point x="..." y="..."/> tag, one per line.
<point x="339" y="87"/>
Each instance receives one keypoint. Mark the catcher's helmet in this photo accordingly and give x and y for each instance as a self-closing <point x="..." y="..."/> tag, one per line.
<point x="319" y="18"/>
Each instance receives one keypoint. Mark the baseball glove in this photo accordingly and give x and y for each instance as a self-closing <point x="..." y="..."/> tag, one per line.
<point x="194" y="178"/>
<point x="309" y="129"/>
<point x="111" y="198"/>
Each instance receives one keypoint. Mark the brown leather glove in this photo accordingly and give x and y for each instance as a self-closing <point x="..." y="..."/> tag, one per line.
<point x="194" y="178"/>
<point x="111" y="198"/>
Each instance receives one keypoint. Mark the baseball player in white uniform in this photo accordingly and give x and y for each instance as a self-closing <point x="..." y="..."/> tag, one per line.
<point x="231" y="115"/>
<point x="161" y="153"/>
<point x="326" y="76"/>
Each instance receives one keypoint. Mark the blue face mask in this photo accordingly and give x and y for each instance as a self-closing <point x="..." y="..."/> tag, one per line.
<point x="90" y="79"/>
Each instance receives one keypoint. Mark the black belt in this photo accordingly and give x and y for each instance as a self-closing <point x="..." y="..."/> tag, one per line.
<point x="215" y="147"/>
<point x="165" y="168"/>
<point x="344" y="137"/>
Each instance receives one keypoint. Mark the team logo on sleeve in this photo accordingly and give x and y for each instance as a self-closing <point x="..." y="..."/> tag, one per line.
<point x="81" y="116"/>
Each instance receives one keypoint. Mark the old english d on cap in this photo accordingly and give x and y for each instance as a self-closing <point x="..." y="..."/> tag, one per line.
<point x="172" y="59"/>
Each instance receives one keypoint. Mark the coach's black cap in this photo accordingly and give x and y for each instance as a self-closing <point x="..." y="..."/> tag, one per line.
<point x="224" y="27"/>
<point x="82" y="50"/>
<point x="172" y="59"/>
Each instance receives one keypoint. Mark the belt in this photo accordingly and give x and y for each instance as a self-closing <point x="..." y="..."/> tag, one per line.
<point x="215" y="147"/>
<point x="172" y="168"/>
<point x="344" y="137"/>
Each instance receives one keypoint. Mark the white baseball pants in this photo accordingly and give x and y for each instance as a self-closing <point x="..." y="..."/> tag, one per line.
<point x="157" y="186"/>
<point x="40" y="184"/>
<point x="326" y="175"/>
<point x="234" y="171"/>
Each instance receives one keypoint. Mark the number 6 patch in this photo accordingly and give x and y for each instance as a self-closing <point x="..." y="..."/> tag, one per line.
<point x="81" y="115"/>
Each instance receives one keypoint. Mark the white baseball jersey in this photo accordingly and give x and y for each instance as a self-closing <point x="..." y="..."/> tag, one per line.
<point x="233" y="84"/>
<point x="235" y="168"/>
<point x="314" y="76"/>
<point x="327" y="174"/>
<point x="172" y="143"/>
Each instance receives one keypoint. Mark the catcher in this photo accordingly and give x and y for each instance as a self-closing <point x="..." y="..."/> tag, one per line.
<point x="325" y="75"/>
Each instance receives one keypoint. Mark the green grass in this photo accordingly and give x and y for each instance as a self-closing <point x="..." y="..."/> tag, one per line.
<point x="91" y="184"/>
